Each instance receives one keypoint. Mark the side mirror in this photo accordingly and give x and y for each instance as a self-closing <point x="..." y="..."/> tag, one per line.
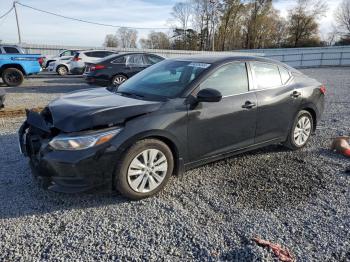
<point x="209" y="95"/>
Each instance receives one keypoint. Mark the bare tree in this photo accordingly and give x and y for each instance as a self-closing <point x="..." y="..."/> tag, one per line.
<point x="343" y="16"/>
<point x="303" y="26"/>
<point x="200" y="21"/>
<point x="156" y="40"/>
<point x="182" y="12"/>
<point x="127" y="37"/>
<point x="111" y="41"/>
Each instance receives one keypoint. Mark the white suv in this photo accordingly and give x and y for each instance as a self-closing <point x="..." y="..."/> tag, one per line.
<point x="60" y="66"/>
<point x="77" y="65"/>
<point x="65" y="54"/>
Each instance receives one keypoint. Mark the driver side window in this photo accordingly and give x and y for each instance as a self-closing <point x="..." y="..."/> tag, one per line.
<point x="230" y="79"/>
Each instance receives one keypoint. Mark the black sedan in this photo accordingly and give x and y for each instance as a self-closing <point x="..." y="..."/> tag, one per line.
<point x="173" y="116"/>
<point x="115" y="69"/>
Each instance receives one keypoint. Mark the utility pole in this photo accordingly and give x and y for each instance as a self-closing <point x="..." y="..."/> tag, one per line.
<point x="18" y="30"/>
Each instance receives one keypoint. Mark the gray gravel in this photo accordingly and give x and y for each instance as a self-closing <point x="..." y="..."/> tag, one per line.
<point x="37" y="91"/>
<point x="300" y="200"/>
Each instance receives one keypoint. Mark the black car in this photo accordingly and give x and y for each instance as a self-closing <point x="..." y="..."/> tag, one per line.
<point x="115" y="69"/>
<point x="173" y="116"/>
<point x="2" y="98"/>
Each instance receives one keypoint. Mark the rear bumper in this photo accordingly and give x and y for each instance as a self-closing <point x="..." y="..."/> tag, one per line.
<point x="68" y="171"/>
<point x="96" y="81"/>
<point x="77" y="70"/>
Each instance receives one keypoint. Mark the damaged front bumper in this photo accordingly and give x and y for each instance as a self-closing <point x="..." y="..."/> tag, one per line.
<point x="64" y="171"/>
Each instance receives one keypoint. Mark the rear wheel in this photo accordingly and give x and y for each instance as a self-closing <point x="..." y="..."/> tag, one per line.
<point x="62" y="70"/>
<point x="301" y="131"/>
<point x="117" y="80"/>
<point x="145" y="169"/>
<point x="12" y="77"/>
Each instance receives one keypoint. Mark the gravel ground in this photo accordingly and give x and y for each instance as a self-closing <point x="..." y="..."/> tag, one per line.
<point x="37" y="91"/>
<point x="300" y="200"/>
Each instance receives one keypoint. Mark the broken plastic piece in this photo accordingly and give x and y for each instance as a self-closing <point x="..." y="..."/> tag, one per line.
<point x="341" y="145"/>
<point x="283" y="254"/>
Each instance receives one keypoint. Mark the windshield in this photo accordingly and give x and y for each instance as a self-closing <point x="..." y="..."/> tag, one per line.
<point x="166" y="79"/>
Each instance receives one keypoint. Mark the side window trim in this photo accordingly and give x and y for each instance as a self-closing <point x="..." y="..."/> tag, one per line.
<point x="290" y="75"/>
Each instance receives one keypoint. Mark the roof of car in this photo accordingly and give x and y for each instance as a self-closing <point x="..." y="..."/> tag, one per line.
<point x="223" y="58"/>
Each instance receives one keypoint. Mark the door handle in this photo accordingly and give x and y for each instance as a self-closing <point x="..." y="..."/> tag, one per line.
<point x="296" y="94"/>
<point x="248" y="105"/>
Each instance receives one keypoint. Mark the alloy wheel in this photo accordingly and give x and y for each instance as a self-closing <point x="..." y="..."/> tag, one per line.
<point x="62" y="70"/>
<point x="118" y="80"/>
<point x="147" y="170"/>
<point x="302" y="131"/>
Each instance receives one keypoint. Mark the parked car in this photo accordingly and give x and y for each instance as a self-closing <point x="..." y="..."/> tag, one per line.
<point x="61" y="66"/>
<point x="63" y="55"/>
<point x="89" y="56"/>
<point x="2" y="98"/>
<point x="13" y="67"/>
<point x="115" y="69"/>
<point x="11" y="49"/>
<point x="173" y="116"/>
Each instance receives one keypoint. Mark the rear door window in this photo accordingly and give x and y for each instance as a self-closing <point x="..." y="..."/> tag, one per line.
<point x="11" y="50"/>
<point x="135" y="60"/>
<point x="266" y="75"/>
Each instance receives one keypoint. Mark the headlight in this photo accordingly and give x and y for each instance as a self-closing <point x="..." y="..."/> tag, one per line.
<point x="79" y="142"/>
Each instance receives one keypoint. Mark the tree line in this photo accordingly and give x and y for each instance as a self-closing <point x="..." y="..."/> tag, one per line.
<point x="224" y="25"/>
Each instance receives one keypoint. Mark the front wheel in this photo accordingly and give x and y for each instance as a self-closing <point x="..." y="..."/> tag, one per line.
<point x="62" y="70"/>
<point x="12" y="77"/>
<point x="145" y="169"/>
<point x="301" y="131"/>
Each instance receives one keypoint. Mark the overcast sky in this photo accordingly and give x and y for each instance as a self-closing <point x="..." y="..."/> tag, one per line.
<point x="47" y="29"/>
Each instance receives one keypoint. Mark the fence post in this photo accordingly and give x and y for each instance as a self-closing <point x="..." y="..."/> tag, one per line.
<point x="301" y="59"/>
<point x="341" y="58"/>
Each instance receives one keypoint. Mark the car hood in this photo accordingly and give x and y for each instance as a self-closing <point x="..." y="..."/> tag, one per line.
<point x="96" y="107"/>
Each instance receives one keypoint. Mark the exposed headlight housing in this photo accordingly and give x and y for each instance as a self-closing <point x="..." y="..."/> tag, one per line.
<point x="82" y="141"/>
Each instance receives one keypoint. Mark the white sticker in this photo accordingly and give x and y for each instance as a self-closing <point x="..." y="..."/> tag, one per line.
<point x="200" y="65"/>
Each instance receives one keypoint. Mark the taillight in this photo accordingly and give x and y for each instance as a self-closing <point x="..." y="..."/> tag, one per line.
<point x="40" y="60"/>
<point x="97" y="67"/>
<point x="323" y="90"/>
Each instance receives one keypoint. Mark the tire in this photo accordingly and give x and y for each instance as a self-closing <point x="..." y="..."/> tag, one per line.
<point x="136" y="181"/>
<point x="117" y="80"/>
<point x="305" y="124"/>
<point x="12" y="77"/>
<point x="62" y="70"/>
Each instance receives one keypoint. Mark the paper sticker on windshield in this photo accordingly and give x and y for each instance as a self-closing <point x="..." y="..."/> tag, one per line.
<point x="200" y="65"/>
